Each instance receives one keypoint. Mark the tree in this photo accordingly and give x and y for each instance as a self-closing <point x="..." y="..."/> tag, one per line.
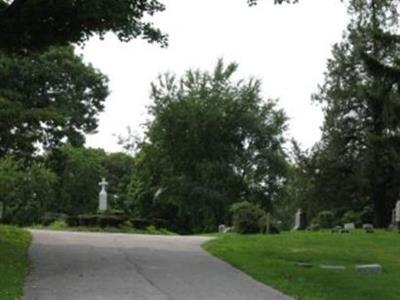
<point x="47" y="99"/>
<point x="26" y="190"/>
<point x="212" y="142"/>
<point x="119" y="169"/>
<point x="38" y="24"/>
<point x="79" y="171"/>
<point x="361" y="134"/>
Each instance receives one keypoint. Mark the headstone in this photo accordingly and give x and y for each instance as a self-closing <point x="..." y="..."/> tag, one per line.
<point x="103" y="195"/>
<point x="327" y="267"/>
<point x="300" y="221"/>
<point x="369" y="228"/>
<point x="1" y="211"/>
<point x="349" y="226"/>
<point x="304" y="264"/>
<point x="221" y="228"/>
<point x="373" y="268"/>
<point x="397" y="215"/>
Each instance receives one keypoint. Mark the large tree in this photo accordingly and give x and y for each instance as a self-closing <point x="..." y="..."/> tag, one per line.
<point x="47" y="99"/>
<point x="213" y="142"/>
<point x="360" y="154"/>
<point x="37" y="24"/>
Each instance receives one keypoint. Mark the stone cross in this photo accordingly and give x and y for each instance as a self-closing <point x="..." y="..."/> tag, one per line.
<point x="103" y="195"/>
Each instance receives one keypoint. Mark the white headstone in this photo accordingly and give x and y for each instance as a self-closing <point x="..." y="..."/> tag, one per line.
<point x="103" y="195"/>
<point x="397" y="214"/>
<point x="300" y="220"/>
<point x="349" y="226"/>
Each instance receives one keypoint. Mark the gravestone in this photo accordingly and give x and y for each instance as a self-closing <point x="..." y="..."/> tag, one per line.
<point x="103" y="195"/>
<point x="300" y="220"/>
<point x="349" y="226"/>
<point x="397" y="217"/>
<point x="369" y="228"/>
<point x="221" y="228"/>
<point x="373" y="268"/>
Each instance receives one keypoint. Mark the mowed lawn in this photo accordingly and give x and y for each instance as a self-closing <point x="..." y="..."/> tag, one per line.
<point x="272" y="260"/>
<point x="14" y="262"/>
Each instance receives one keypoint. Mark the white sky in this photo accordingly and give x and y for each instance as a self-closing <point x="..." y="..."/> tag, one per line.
<point x="285" y="46"/>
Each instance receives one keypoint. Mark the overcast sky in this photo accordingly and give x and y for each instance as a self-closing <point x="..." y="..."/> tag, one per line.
<point x="285" y="46"/>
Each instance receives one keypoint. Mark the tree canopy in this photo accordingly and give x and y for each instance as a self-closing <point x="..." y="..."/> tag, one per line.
<point x="37" y="24"/>
<point x="213" y="142"/>
<point x="47" y="99"/>
<point x="358" y="159"/>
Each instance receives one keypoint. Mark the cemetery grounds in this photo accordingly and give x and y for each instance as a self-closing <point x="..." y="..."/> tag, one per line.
<point x="272" y="259"/>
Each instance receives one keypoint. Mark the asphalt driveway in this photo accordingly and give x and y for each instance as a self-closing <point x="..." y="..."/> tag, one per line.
<point x="102" y="266"/>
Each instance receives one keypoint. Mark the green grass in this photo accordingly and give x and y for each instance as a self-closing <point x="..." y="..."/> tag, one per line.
<point x="272" y="260"/>
<point x="14" y="261"/>
<point x="61" y="226"/>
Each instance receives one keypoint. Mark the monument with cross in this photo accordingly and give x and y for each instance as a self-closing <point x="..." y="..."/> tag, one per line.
<point x="103" y="195"/>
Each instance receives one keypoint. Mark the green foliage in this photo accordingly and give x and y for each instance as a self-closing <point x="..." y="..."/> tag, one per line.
<point x="35" y="25"/>
<point x="212" y="141"/>
<point x="351" y="217"/>
<point x="14" y="263"/>
<point x="246" y="217"/>
<point x="325" y="219"/>
<point x="272" y="259"/>
<point x="140" y="223"/>
<point x="357" y="162"/>
<point x="79" y="171"/>
<point x="47" y="99"/>
<point x="27" y="191"/>
<point x="119" y="169"/>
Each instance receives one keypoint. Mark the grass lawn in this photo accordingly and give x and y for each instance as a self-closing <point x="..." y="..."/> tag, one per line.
<point x="14" y="262"/>
<point x="271" y="259"/>
<point x="61" y="226"/>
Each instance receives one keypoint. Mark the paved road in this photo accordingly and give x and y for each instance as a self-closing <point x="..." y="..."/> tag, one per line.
<point x="100" y="266"/>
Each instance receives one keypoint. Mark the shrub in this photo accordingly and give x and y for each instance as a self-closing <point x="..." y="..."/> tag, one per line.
<point x="140" y="223"/>
<point x="262" y="225"/>
<point x="88" y="220"/>
<point x="352" y="217"/>
<point x="49" y="218"/>
<point x="325" y="219"/>
<point x="72" y="221"/>
<point x="161" y="223"/>
<point x="367" y="215"/>
<point x="110" y="220"/>
<point x="246" y="217"/>
<point x="313" y="227"/>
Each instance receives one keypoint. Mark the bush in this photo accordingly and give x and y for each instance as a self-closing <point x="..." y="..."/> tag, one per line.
<point x="246" y="217"/>
<point x="313" y="227"/>
<point x="72" y="221"/>
<point x="140" y="223"/>
<point x="161" y="223"/>
<point x="49" y="218"/>
<point x="352" y="217"/>
<point x="367" y="215"/>
<point x="262" y="225"/>
<point x="325" y="219"/>
<point x="88" y="220"/>
<point x="110" y="220"/>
